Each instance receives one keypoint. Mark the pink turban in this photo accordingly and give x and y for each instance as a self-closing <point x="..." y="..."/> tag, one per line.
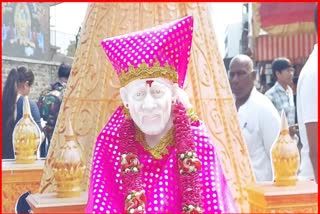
<point x="161" y="51"/>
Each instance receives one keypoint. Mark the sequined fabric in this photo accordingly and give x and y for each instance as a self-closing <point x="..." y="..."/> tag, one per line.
<point x="160" y="176"/>
<point x="169" y="43"/>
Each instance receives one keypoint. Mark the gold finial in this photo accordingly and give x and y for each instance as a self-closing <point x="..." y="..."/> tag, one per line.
<point x="26" y="107"/>
<point x="284" y="127"/>
<point x="26" y="136"/>
<point x="69" y="134"/>
<point x="285" y="156"/>
<point x="69" y="166"/>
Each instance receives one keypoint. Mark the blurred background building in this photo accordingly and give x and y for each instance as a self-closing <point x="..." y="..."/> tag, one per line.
<point x="232" y="42"/>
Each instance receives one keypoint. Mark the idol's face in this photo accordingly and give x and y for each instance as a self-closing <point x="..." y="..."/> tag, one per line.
<point x="149" y="102"/>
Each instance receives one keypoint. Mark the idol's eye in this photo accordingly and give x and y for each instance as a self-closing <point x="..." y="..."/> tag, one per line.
<point x="156" y="93"/>
<point x="139" y="94"/>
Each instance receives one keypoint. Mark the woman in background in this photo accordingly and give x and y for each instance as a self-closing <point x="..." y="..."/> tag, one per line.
<point x="18" y="85"/>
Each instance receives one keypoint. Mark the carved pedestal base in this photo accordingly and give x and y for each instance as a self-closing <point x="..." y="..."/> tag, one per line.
<point x="267" y="198"/>
<point x="18" y="179"/>
<point x="49" y="203"/>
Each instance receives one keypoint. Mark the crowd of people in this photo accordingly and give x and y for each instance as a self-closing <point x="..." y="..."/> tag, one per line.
<point x="259" y="114"/>
<point x="44" y="112"/>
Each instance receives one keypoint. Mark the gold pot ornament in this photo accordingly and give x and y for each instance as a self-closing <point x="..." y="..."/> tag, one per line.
<point x="26" y="136"/>
<point x="69" y="166"/>
<point x="285" y="156"/>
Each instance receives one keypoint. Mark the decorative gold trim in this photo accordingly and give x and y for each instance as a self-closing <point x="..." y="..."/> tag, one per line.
<point x="287" y="29"/>
<point x="145" y="72"/>
<point x="161" y="148"/>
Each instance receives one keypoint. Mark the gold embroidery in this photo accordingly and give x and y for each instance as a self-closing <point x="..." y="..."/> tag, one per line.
<point x="161" y="148"/>
<point x="145" y="72"/>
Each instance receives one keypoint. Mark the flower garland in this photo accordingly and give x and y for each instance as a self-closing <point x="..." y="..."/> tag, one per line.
<point x="188" y="163"/>
<point x="130" y="167"/>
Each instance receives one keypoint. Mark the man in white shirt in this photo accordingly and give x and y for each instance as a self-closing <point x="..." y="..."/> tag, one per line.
<point x="259" y="119"/>
<point x="307" y="111"/>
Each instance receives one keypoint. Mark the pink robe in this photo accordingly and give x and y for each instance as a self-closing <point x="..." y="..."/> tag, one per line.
<point x="160" y="176"/>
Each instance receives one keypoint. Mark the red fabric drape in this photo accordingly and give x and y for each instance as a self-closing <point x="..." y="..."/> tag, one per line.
<point x="283" y="18"/>
<point x="272" y="14"/>
<point x="296" y="47"/>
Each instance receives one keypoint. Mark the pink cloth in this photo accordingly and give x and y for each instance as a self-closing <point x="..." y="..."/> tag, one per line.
<point x="169" y="43"/>
<point x="160" y="177"/>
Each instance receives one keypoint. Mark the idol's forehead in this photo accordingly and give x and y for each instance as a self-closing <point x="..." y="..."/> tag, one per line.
<point x="146" y="82"/>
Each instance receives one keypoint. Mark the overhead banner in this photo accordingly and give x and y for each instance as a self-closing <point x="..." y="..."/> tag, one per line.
<point x="283" y="18"/>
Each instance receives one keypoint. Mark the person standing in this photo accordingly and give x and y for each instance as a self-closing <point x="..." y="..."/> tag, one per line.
<point x="259" y="119"/>
<point x="18" y="85"/>
<point x="307" y="111"/>
<point x="281" y="94"/>
<point x="50" y="101"/>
